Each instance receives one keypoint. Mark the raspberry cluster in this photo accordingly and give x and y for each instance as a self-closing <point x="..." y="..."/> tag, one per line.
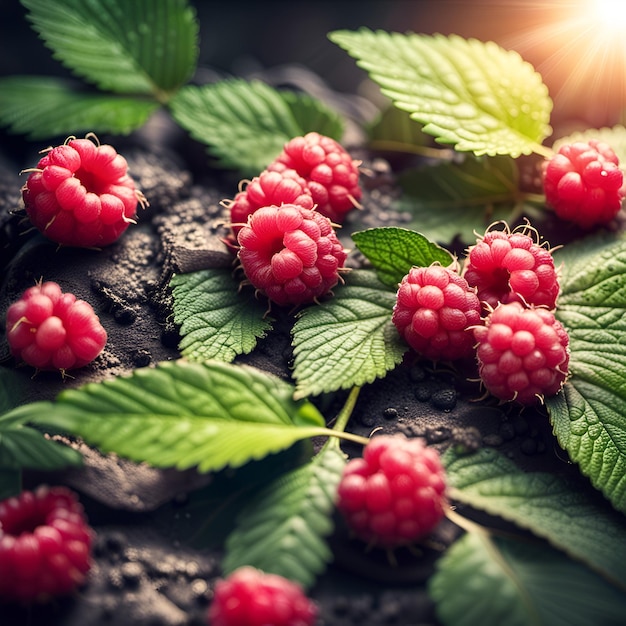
<point x="250" y="597"/>
<point x="80" y="194"/>
<point x="45" y="544"/>
<point x="52" y="330"/>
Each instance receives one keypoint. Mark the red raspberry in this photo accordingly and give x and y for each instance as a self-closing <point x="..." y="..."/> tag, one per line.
<point x="81" y="195"/>
<point x="584" y="184"/>
<point x="434" y="308"/>
<point x="511" y="267"/>
<point x="291" y="254"/>
<point x="250" y="597"/>
<point x="522" y="353"/>
<point x="394" y="495"/>
<point x="52" y="330"/>
<point x="45" y="544"/>
<point x="331" y="174"/>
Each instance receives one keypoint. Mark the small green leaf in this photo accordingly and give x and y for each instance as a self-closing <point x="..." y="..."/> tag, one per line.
<point x="10" y="483"/>
<point x="588" y="530"/>
<point x="311" y="114"/>
<point x="183" y="414"/>
<point x="394" y="251"/>
<point x="125" y="47"/>
<point x="216" y="320"/>
<point x="347" y="341"/>
<point x="588" y="415"/>
<point x="474" y="95"/>
<point x="482" y="580"/>
<point x="41" y="107"/>
<point x="284" y="527"/>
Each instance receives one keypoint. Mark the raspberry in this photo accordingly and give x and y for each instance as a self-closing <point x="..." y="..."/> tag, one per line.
<point x="45" y="544"/>
<point x="291" y="254"/>
<point x="394" y="495"/>
<point x="522" y="353"/>
<point x="433" y="310"/>
<point x="331" y="174"/>
<point x="584" y="184"/>
<point x="510" y="267"/>
<point x="81" y="195"/>
<point x="250" y="597"/>
<point x="52" y="330"/>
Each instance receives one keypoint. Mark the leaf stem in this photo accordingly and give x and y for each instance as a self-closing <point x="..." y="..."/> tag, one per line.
<point x="543" y="151"/>
<point x="338" y="430"/>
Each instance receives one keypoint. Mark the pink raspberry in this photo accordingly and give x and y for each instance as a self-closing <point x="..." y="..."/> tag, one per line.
<point x="52" y="330"/>
<point x="291" y="254"/>
<point x="395" y="493"/>
<point x="522" y="353"/>
<point x="584" y="184"/>
<point x="331" y="174"/>
<point x="81" y="195"/>
<point x="45" y="544"/>
<point x="509" y="267"/>
<point x="250" y="597"/>
<point x="433" y="310"/>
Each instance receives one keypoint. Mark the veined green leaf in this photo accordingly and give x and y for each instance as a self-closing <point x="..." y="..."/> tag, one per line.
<point x="284" y="527"/>
<point x="394" y="251"/>
<point x="41" y="107"/>
<point x="183" y="414"/>
<point x="588" y="415"/>
<point x="311" y="114"/>
<point x="474" y="95"/>
<point x="349" y="340"/>
<point x="216" y="320"/>
<point x="486" y="580"/>
<point x="143" y="46"/>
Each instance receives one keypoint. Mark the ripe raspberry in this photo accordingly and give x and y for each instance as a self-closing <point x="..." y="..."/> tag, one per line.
<point x="291" y="254"/>
<point x="52" y="330"/>
<point x="509" y="267"/>
<point x="45" y="544"/>
<point x="331" y="174"/>
<point x="250" y="597"/>
<point x="394" y="495"/>
<point x="81" y="195"/>
<point x="522" y="353"/>
<point x="433" y="310"/>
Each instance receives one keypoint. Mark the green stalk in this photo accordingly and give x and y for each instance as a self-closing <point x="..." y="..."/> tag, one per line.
<point x="342" y="420"/>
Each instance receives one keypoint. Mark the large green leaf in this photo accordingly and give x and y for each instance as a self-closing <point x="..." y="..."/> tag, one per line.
<point x="284" y="527"/>
<point x="589" y="416"/>
<point x="473" y="95"/>
<point x="216" y="320"/>
<point x="143" y="46"/>
<point x="41" y="107"/>
<point x="549" y="506"/>
<point x="486" y="580"/>
<point x="349" y="340"/>
<point x="183" y="414"/>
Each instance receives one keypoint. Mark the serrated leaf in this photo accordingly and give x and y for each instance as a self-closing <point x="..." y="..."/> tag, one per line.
<point x="41" y="107"/>
<point x="347" y="341"/>
<point x="471" y="94"/>
<point x="311" y="114"/>
<point x="127" y="47"/>
<point x="486" y="580"/>
<point x="615" y="136"/>
<point x="216" y="320"/>
<point x="183" y="414"/>
<point x="588" y="415"/>
<point x="394" y="251"/>
<point x="284" y="527"/>
<point x="587" y="529"/>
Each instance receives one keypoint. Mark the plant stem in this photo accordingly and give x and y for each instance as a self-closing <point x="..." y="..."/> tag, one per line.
<point x="342" y="420"/>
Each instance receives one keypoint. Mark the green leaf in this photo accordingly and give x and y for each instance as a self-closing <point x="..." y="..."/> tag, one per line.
<point x="10" y="483"/>
<point x="284" y="527"/>
<point x="183" y="414"/>
<point x="615" y="136"/>
<point x="125" y="47"/>
<point x="394" y="131"/>
<point x="474" y="95"/>
<point x="41" y="107"/>
<point x="587" y="529"/>
<point x="394" y="251"/>
<point x="216" y="320"/>
<point x="588" y="415"/>
<point x="347" y="341"/>
<point x="482" y="580"/>
<point x="311" y="114"/>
